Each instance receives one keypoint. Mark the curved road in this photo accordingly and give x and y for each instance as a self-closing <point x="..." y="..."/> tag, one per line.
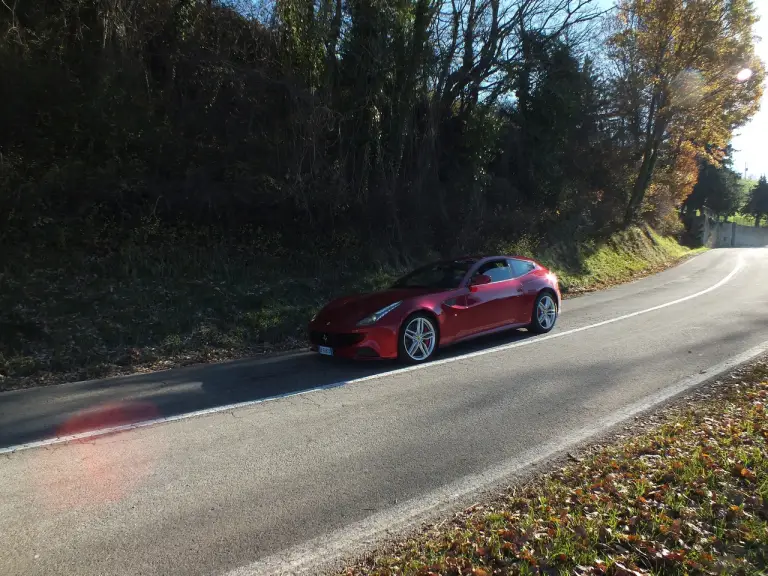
<point x="266" y="485"/>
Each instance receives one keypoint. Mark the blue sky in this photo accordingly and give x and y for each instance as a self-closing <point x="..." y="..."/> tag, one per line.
<point x="751" y="142"/>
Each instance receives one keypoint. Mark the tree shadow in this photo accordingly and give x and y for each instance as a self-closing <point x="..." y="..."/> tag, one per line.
<point x="41" y="413"/>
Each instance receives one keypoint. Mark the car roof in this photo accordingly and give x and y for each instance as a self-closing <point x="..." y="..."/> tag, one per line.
<point x="513" y="256"/>
<point x="470" y="259"/>
<point x="475" y="259"/>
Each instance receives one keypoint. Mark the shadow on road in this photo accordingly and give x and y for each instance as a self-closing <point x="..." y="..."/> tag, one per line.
<point x="41" y="413"/>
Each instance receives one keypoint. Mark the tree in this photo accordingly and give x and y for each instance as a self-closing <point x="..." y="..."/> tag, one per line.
<point x="397" y="128"/>
<point x="555" y="160"/>
<point x="757" y="203"/>
<point x="676" y="65"/>
<point x="717" y="188"/>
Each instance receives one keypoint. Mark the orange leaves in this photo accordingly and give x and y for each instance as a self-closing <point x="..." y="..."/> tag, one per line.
<point x="741" y="471"/>
<point x="747" y="473"/>
<point x="529" y="558"/>
<point x="508" y="535"/>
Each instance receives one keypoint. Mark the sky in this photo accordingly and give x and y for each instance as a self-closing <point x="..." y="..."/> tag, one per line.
<point x="751" y="142"/>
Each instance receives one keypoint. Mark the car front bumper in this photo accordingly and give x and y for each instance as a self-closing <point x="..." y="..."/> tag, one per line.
<point x="366" y="343"/>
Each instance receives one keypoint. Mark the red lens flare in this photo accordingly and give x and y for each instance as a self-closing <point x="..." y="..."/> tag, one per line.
<point x="94" y="471"/>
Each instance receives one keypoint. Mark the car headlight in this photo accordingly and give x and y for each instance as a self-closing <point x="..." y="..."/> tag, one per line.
<point x="376" y="316"/>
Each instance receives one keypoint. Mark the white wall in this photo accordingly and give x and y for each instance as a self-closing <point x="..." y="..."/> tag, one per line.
<point x="750" y="236"/>
<point x="727" y="234"/>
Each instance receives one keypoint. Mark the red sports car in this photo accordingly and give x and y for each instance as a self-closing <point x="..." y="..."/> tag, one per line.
<point x="437" y="305"/>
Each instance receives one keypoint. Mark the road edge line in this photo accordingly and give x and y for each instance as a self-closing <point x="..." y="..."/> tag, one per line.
<point x="317" y="555"/>
<point x="90" y="434"/>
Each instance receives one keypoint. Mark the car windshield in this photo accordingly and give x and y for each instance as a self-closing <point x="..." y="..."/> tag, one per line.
<point x="440" y="275"/>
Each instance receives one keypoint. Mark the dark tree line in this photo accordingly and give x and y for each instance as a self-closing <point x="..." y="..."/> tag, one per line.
<point x="718" y="188"/>
<point x="395" y="127"/>
<point x="757" y="201"/>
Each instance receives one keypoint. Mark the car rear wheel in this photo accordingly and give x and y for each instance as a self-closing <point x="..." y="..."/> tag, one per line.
<point x="544" y="313"/>
<point x="418" y="339"/>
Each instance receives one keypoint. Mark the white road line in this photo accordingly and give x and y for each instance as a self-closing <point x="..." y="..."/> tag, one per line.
<point x="328" y="552"/>
<point x="725" y="280"/>
<point x="227" y="407"/>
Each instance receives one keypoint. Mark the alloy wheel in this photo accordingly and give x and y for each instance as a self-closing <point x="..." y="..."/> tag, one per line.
<point x="419" y="339"/>
<point x="546" y="312"/>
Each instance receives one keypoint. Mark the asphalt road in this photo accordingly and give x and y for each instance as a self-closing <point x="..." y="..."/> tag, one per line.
<point x="219" y="492"/>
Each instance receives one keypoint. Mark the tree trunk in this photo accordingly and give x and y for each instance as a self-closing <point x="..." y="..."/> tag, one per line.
<point x="401" y="124"/>
<point x="650" y="155"/>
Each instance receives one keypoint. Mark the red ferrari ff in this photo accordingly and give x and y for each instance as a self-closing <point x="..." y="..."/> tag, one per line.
<point x="437" y="305"/>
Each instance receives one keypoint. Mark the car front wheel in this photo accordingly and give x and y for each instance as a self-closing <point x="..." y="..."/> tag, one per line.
<point x="544" y="313"/>
<point x="418" y="339"/>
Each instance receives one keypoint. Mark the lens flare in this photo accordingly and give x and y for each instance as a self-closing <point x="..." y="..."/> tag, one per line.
<point x="688" y="88"/>
<point x="92" y="472"/>
<point x="744" y="75"/>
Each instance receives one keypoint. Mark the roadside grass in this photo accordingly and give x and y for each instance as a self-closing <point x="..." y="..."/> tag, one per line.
<point x="147" y="305"/>
<point x="626" y="256"/>
<point x="687" y="496"/>
<point x="743" y="219"/>
<point x="162" y="298"/>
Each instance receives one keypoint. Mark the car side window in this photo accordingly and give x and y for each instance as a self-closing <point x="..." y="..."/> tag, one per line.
<point x="520" y="267"/>
<point x="497" y="270"/>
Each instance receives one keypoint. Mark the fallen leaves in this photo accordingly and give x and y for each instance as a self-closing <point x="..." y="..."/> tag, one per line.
<point x="747" y="473"/>
<point x="688" y="496"/>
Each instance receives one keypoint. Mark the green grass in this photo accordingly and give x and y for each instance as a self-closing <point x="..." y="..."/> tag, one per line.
<point x="165" y="297"/>
<point x="625" y="256"/>
<point x="690" y="496"/>
<point x="743" y="219"/>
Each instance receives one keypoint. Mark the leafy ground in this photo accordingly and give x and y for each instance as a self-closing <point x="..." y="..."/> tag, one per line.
<point x="163" y="298"/>
<point x="687" y="496"/>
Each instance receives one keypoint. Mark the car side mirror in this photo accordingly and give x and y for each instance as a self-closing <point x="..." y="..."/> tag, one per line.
<point x="479" y="280"/>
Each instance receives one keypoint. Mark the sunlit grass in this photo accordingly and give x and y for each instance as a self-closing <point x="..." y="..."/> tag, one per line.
<point x="625" y="256"/>
<point x="742" y="219"/>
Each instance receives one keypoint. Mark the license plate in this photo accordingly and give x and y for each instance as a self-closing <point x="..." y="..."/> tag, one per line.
<point x="325" y="350"/>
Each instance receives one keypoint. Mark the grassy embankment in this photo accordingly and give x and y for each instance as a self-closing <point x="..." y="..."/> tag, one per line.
<point x="684" y="493"/>
<point x="161" y="299"/>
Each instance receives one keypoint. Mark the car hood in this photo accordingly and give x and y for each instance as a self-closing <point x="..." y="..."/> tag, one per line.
<point x="355" y="308"/>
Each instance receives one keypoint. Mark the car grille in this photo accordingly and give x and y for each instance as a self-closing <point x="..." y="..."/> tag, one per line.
<point x="335" y="340"/>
